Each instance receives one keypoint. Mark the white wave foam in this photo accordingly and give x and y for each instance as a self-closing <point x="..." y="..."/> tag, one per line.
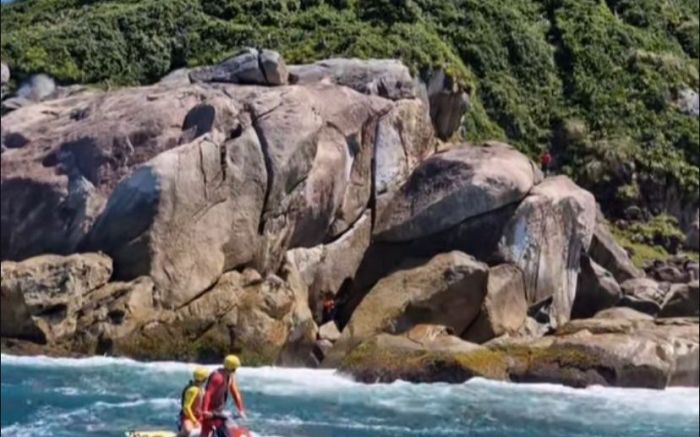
<point x="43" y="361"/>
<point x="669" y="400"/>
<point x="156" y="403"/>
<point x="399" y="396"/>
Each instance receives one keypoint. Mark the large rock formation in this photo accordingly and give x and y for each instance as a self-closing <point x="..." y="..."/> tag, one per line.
<point x="234" y="206"/>
<point x="327" y="268"/>
<point x="504" y="309"/>
<point x="4" y="79"/>
<point x="183" y="217"/>
<point x="643" y="294"/>
<point x="260" y="318"/>
<point x="112" y="312"/>
<point x="249" y="67"/>
<point x="67" y="302"/>
<point x="381" y="77"/>
<point x="545" y="239"/>
<point x="4" y="73"/>
<point x="447" y="290"/>
<point x="448" y="103"/>
<point x="184" y="182"/>
<point x="673" y="270"/>
<point x="391" y="79"/>
<point x="399" y="148"/>
<point x="608" y="254"/>
<point x="42" y="296"/>
<point x="638" y="354"/>
<point x="426" y="353"/>
<point x="451" y="187"/>
<point x="65" y="157"/>
<point x="596" y="290"/>
<point x="682" y="300"/>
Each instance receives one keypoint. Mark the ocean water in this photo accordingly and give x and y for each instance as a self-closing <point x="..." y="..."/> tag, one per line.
<point x="106" y="396"/>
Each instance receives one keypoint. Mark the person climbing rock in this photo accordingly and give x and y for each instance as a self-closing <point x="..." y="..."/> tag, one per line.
<point x="191" y="403"/>
<point x="546" y="162"/>
<point x="220" y="384"/>
<point x="329" y="308"/>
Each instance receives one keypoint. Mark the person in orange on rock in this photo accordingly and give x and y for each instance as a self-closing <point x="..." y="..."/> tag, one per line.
<point x="329" y="309"/>
<point x="545" y="162"/>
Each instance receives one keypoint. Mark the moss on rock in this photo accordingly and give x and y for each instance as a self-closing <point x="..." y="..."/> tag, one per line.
<point x="192" y="342"/>
<point x="376" y="362"/>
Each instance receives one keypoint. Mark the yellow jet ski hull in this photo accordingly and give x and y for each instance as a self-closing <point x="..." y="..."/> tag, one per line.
<point x="151" y="434"/>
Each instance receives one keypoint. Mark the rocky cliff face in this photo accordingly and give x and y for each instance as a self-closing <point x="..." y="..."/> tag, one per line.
<point x="222" y="209"/>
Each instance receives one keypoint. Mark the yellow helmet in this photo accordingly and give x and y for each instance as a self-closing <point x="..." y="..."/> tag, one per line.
<point x="200" y="374"/>
<point x="231" y="362"/>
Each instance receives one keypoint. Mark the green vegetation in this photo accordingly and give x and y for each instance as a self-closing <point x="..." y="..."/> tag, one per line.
<point x="594" y="80"/>
<point x="662" y="231"/>
<point x="655" y="239"/>
<point x="641" y="253"/>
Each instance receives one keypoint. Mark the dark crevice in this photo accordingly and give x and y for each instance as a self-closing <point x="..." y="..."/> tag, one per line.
<point x="197" y="296"/>
<point x="117" y="316"/>
<point x="54" y="312"/>
<point x="50" y="160"/>
<point x="104" y="346"/>
<point x="200" y="119"/>
<point x="262" y="68"/>
<point x="203" y="211"/>
<point x="199" y="335"/>
<point x="14" y="140"/>
<point x="264" y="148"/>
<point x="372" y="203"/>
<point x="203" y="171"/>
<point x="223" y="155"/>
<point x="298" y="183"/>
<point x="255" y="117"/>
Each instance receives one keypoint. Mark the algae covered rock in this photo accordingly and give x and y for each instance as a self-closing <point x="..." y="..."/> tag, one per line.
<point x="608" y="352"/>
<point x="415" y="357"/>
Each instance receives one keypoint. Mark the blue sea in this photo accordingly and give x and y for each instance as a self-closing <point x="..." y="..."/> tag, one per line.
<point x="107" y="396"/>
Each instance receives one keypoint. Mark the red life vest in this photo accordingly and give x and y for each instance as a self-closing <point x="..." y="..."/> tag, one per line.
<point x="220" y="396"/>
<point x="546" y="159"/>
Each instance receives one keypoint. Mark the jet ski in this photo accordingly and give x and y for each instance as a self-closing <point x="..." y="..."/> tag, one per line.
<point x="151" y="434"/>
<point x="236" y="431"/>
<point x="225" y="427"/>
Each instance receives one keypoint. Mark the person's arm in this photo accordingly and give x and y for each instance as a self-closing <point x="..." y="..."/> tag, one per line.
<point x="236" y="394"/>
<point x="216" y="381"/>
<point x="190" y="398"/>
